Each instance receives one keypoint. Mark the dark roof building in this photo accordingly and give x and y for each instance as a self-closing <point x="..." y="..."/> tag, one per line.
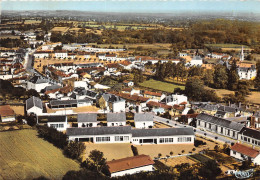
<point x="252" y="133"/>
<point x="139" y="117"/>
<point x="87" y="117"/>
<point x="33" y="102"/>
<point x="116" y="117"/>
<point x="162" y="132"/>
<point x="37" y="80"/>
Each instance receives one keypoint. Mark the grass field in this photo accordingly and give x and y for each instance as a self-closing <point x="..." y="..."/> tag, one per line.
<point x="25" y="156"/>
<point x="226" y="45"/>
<point x="161" y="86"/>
<point x="200" y="157"/>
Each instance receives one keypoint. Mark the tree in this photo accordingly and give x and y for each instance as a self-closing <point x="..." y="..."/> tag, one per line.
<point x="194" y="88"/>
<point x="257" y="79"/>
<point x="246" y="164"/>
<point x="220" y="77"/>
<point x="210" y="170"/>
<point x="31" y="120"/>
<point x="96" y="158"/>
<point x="233" y="77"/>
<point x="74" y="149"/>
<point x="208" y="77"/>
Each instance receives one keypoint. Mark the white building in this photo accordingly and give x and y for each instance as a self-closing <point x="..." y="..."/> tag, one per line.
<point x="247" y="73"/>
<point x="130" y="165"/>
<point x="87" y="120"/>
<point x="83" y="84"/>
<point x="61" y="54"/>
<point x="125" y="134"/>
<point x="37" y="83"/>
<point x="41" y="54"/>
<point x="242" y="152"/>
<point x="58" y="122"/>
<point x="218" y="125"/>
<point x="196" y="61"/>
<point x="116" y="119"/>
<point x="250" y="136"/>
<point x="113" y="103"/>
<point x="34" y="105"/>
<point x="174" y="99"/>
<point x="143" y="120"/>
<point x="6" y="114"/>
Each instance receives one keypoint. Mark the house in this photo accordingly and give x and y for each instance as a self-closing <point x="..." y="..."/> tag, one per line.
<point x="58" y="122"/>
<point x="128" y="83"/>
<point x="163" y="136"/>
<point x="116" y="119"/>
<point x="42" y="54"/>
<point x="112" y="67"/>
<point x="125" y="134"/>
<point x="250" y="136"/>
<point x="218" y="125"/>
<point x="62" y="54"/>
<point x="111" y="103"/>
<point x="227" y="111"/>
<point x="174" y="99"/>
<point x="158" y="107"/>
<point x="143" y="120"/>
<point x="87" y="120"/>
<point x="152" y="95"/>
<point x="69" y="103"/>
<point x="210" y="109"/>
<point x="247" y="73"/>
<point x="103" y="134"/>
<point x="242" y="152"/>
<point x="110" y="57"/>
<point x="37" y="83"/>
<point x="6" y="114"/>
<point x="130" y="165"/>
<point x="196" y="61"/>
<point x="34" y="105"/>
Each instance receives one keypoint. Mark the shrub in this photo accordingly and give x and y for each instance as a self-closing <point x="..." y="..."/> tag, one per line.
<point x="135" y="151"/>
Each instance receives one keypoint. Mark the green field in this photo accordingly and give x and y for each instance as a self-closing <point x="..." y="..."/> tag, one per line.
<point x="199" y="157"/>
<point x="25" y="156"/>
<point x="159" y="85"/>
<point x="226" y="45"/>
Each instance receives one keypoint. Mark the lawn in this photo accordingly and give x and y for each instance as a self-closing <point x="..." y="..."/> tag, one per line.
<point x="200" y="157"/>
<point x="25" y="156"/>
<point x="161" y="86"/>
<point x="226" y="45"/>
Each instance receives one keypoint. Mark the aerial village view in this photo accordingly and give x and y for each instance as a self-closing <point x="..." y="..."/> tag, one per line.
<point x="130" y="90"/>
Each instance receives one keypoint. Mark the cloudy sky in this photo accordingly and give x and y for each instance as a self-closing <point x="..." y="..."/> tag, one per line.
<point x="167" y="6"/>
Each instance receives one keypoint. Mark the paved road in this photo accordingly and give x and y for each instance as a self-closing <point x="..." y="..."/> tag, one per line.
<point x="199" y="132"/>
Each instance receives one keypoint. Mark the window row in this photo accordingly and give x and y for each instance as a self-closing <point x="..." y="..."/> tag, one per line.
<point x="184" y="139"/>
<point x="102" y="139"/>
<point x="57" y="125"/>
<point x="121" y="138"/>
<point x="166" y="140"/>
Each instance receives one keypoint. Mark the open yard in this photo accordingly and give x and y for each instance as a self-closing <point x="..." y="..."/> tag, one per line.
<point x="111" y="151"/>
<point x="177" y="161"/>
<point x="25" y="156"/>
<point x="161" y="86"/>
<point x="75" y="110"/>
<point x="18" y="110"/>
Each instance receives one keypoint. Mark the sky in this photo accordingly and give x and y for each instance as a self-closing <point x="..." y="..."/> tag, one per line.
<point x="147" y="6"/>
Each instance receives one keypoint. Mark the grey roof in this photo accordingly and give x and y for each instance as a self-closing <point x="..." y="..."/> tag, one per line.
<point x="67" y="102"/>
<point x="227" y="109"/>
<point x="116" y="117"/>
<point x="209" y="107"/>
<point x="139" y="117"/>
<point x="162" y="132"/>
<point x="196" y="58"/>
<point x="60" y="118"/>
<point x="257" y="114"/>
<point x="112" y="98"/>
<point x="221" y="113"/>
<point x="251" y="133"/>
<point x="87" y="117"/>
<point x="104" y="130"/>
<point x="38" y="80"/>
<point x="221" y="122"/>
<point x="33" y="101"/>
<point x="52" y="87"/>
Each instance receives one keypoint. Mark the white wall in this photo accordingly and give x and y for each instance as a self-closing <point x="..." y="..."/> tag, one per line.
<point x="65" y="125"/>
<point x="143" y="124"/>
<point x="119" y="106"/>
<point x="34" y="110"/>
<point x="133" y="171"/>
<point x="8" y="118"/>
<point x="237" y="155"/>
<point x="116" y="123"/>
<point x="37" y="87"/>
<point x="87" y="124"/>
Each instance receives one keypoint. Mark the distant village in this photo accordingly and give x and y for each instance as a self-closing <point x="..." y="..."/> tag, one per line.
<point x="71" y="98"/>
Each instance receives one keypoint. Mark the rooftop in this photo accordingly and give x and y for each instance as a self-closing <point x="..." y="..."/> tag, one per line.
<point x="162" y="132"/>
<point x="116" y="117"/>
<point x="129" y="163"/>
<point x="6" y="110"/>
<point x="245" y="150"/>
<point x="87" y="117"/>
<point x="139" y="117"/>
<point x="33" y="101"/>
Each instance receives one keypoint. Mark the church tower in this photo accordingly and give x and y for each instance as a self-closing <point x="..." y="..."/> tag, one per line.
<point x="242" y="54"/>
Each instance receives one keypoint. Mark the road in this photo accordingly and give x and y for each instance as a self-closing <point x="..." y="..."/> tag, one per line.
<point x="197" y="131"/>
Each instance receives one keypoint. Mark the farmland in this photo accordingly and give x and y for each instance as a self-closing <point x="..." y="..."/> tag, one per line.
<point x="25" y="156"/>
<point x="161" y="86"/>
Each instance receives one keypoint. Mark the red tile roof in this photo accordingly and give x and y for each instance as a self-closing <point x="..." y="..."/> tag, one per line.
<point x="245" y="150"/>
<point x="125" y="63"/>
<point x="153" y="93"/>
<point x="156" y="104"/>
<point x="112" y="65"/>
<point x="129" y="163"/>
<point x="6" y="111"/>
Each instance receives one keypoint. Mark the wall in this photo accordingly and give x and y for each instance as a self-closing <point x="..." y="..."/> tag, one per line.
<point x="116" y="123"/>
<point x="133" y="171"/>
<point x="143" y="124"/>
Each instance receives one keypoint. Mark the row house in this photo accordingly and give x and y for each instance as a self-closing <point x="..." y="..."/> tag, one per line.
<point x="218" y="125"/>
<point x="126" y="134"/>
<point x="250" y="136"/>
<point x="42" y="54"/>
<point x="61" y="54"/>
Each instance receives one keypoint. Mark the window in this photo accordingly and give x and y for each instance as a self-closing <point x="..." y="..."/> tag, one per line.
<point x="209" y="126"/>
<point x="199" y="122"/>
<point x="102" y="139"/>
<point x="165" y="140"/>
<point x="121" y="138"/>
<point x="245" y="139"/>
<point x="234" y="152"/>
<point x="184" y="139"/>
